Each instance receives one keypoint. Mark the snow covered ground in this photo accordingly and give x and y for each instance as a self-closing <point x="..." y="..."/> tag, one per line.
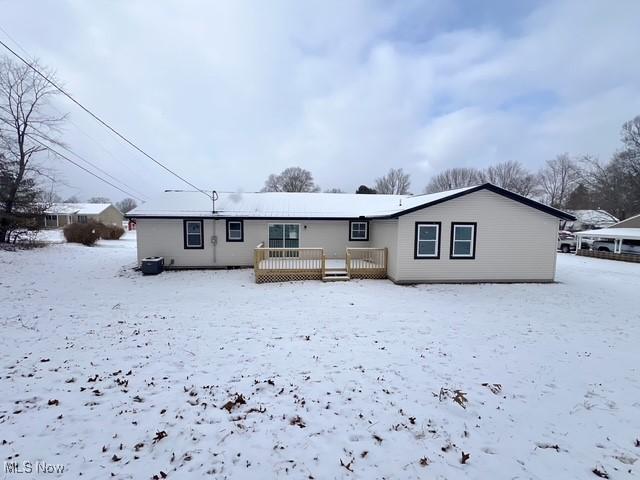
<point x="107" y="372"/>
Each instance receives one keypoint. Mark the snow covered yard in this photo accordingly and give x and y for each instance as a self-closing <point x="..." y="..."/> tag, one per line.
<point x="204" y="372"/>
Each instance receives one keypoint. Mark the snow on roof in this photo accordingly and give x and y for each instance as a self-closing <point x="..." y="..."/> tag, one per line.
<point x="282" y="204"/>
<point x="77" y="208"/>
<point x="595" y="218"/>
<point x="626" y="233"/>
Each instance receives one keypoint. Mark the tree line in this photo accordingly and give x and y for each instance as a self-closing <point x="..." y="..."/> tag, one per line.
<point x="565" y="182"/>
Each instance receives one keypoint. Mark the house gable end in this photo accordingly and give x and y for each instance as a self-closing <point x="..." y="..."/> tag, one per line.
<point x="495" y="189"/>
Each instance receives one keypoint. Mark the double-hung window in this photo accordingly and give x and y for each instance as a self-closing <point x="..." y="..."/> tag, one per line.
<point x="193" y="234"/>
<point x="463" y="240"/>
<point x="358" y="231"/>
<point x="427" y="240"/>
<point x="235" y="231"/>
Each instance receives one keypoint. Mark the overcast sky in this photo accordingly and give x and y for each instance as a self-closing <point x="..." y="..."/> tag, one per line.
<point x="227" y="92"/>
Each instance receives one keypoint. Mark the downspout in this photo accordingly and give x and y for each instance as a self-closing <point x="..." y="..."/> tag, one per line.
<point x="214" y="241"/>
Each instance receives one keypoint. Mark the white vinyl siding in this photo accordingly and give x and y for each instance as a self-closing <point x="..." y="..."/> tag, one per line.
<point x="165" y="237"/>
<point x="514" y="242"/>
<point x="384" y="233"/>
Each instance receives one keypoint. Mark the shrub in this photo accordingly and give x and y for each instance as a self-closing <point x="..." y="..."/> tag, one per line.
<point x="84" y="233"/>
<point x="110" y="232"/>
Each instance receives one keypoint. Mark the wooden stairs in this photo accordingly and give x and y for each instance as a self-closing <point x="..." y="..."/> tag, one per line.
<point x="335" y="275"/>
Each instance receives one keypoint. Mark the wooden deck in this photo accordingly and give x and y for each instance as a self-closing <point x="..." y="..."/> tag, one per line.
<point x="287" y="264"/>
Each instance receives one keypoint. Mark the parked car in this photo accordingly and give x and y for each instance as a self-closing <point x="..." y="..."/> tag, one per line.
<point x="566" y="241"/>
<point x="628" y="246"/>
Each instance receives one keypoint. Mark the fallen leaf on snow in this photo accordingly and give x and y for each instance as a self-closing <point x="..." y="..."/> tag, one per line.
<point x="600" y="472"/>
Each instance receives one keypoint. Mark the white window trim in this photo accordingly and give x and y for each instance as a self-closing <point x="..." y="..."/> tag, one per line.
<point x="436" y="253"/>
<point x="201" y="234"/>
<point x="352" y="237"/>
<point x="240" y="231"/>
<point x="471" y="241"/>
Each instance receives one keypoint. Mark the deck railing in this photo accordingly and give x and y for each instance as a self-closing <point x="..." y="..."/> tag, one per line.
<point x="284" y="264"/>
<point x="367" y="262"/>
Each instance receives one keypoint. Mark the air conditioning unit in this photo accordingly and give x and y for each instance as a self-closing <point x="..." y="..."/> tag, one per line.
<point x="152" y="265"/>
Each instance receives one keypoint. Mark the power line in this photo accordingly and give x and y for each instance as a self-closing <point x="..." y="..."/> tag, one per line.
<point x="105" y="149"/>
<point x="98" y="119"/>
<point x="80" y="157"/>
<point x="33" y="137"/>
<point x="55" y="152"/>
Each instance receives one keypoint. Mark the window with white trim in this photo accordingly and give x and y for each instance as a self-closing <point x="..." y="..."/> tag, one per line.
<point x="235" y="231"/>
<point x="427" y="243"/>
<point x="53" y="218"/>
<point x="359" y="231"/>
<point x="82" y="219"/>
<point x="193" y="234"/>
<point x="463" y="240"/>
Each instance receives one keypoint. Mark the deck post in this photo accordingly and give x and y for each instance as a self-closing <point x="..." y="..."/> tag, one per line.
<point x="347" y="261"/>
<point x="386" y="259"/>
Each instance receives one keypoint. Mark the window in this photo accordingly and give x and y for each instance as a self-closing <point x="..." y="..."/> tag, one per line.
<point x="82" y="219"/>
<point x="235" y="231"/>
<point x="284" y="235"/>
<point x="52" y="217"/>
<point x="193" y="234"/>
<point x="358" y="231"/>
<point x="427" y="240"/>
<point x="463" y="240"/>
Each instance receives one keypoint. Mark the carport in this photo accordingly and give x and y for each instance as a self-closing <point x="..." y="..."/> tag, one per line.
<point x="617" y="235"/>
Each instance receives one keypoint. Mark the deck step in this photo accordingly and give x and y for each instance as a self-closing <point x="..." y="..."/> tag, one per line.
<point x="335" y="271"/>
<point x="335" y="275"/>
<point x="335" y="278"/>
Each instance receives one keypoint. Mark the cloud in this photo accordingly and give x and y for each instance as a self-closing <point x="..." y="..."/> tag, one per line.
<point x="226" y="93"/>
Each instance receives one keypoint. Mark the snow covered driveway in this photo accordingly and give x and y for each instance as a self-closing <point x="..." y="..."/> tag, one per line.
<point x="191" y="373"/>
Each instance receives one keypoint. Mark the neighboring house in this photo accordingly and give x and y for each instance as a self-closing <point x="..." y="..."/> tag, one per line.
<point x="631" y="222"/>
<point x="60" y="214"/>
<point x="588" y="220"/>
<point x="474" y="234"/>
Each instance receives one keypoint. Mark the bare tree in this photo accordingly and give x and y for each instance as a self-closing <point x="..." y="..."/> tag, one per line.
<point x="395" y="182"/>
<point x="580" y="198"/>
<point x="558" y="178"/>
<point x="333" y="190"/>
<point x="512" y="176"/>
<point x="453" y="178"/>
<point x="24" y="122"/>
<point x="292" y="179"/>
<point x="72" y="199"/>
<point x="126" y="205"/>
<point x="98" y="200"/>
<point x="612" y="186"/>
<point x="630" y="156"/>
<point x="631" y="134"/>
